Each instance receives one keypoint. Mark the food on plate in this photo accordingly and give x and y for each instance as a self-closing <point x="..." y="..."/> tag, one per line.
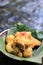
<point x="28" y="52"/>
<point x="21" y="44"/>
<point x="10" y="41"/>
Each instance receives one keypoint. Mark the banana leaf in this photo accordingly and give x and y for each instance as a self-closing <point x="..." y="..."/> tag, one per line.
<point x="37" y="53"/>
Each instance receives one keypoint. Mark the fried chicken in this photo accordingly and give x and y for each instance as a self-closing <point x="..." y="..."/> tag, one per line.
<point x="21" y="43"/>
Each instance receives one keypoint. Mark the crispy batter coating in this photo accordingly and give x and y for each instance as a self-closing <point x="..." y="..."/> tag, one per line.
<point x="10" y="41"/>
<point x="28" y="52"/>
<point x="26" y="39"/>
<point x="9" y="47"/>
<point x="21" y="44"/>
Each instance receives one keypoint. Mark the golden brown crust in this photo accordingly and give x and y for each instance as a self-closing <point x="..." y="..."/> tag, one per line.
<point x="23" y="43"/>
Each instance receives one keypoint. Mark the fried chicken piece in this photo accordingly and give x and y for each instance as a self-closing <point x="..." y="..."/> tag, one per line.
<point x="35" y="42"/>
<point x="9" y="47"/>
<point x="25" y="34"/>
<point x="21" y="38"/>
<point x="28" y="52"/>
<point x="25" y="39"/>
<point x="21" y="43"/>
<point x="10" y="41"/>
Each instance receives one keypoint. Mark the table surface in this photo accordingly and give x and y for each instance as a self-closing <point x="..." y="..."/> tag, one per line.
<point x="8" y="61"/>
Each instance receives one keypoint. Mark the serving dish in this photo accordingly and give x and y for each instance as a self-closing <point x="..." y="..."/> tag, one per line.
<point x="37" y="54"/>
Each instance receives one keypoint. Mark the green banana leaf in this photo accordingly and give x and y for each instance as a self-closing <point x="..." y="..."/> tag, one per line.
<point x="37" y="53"/>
